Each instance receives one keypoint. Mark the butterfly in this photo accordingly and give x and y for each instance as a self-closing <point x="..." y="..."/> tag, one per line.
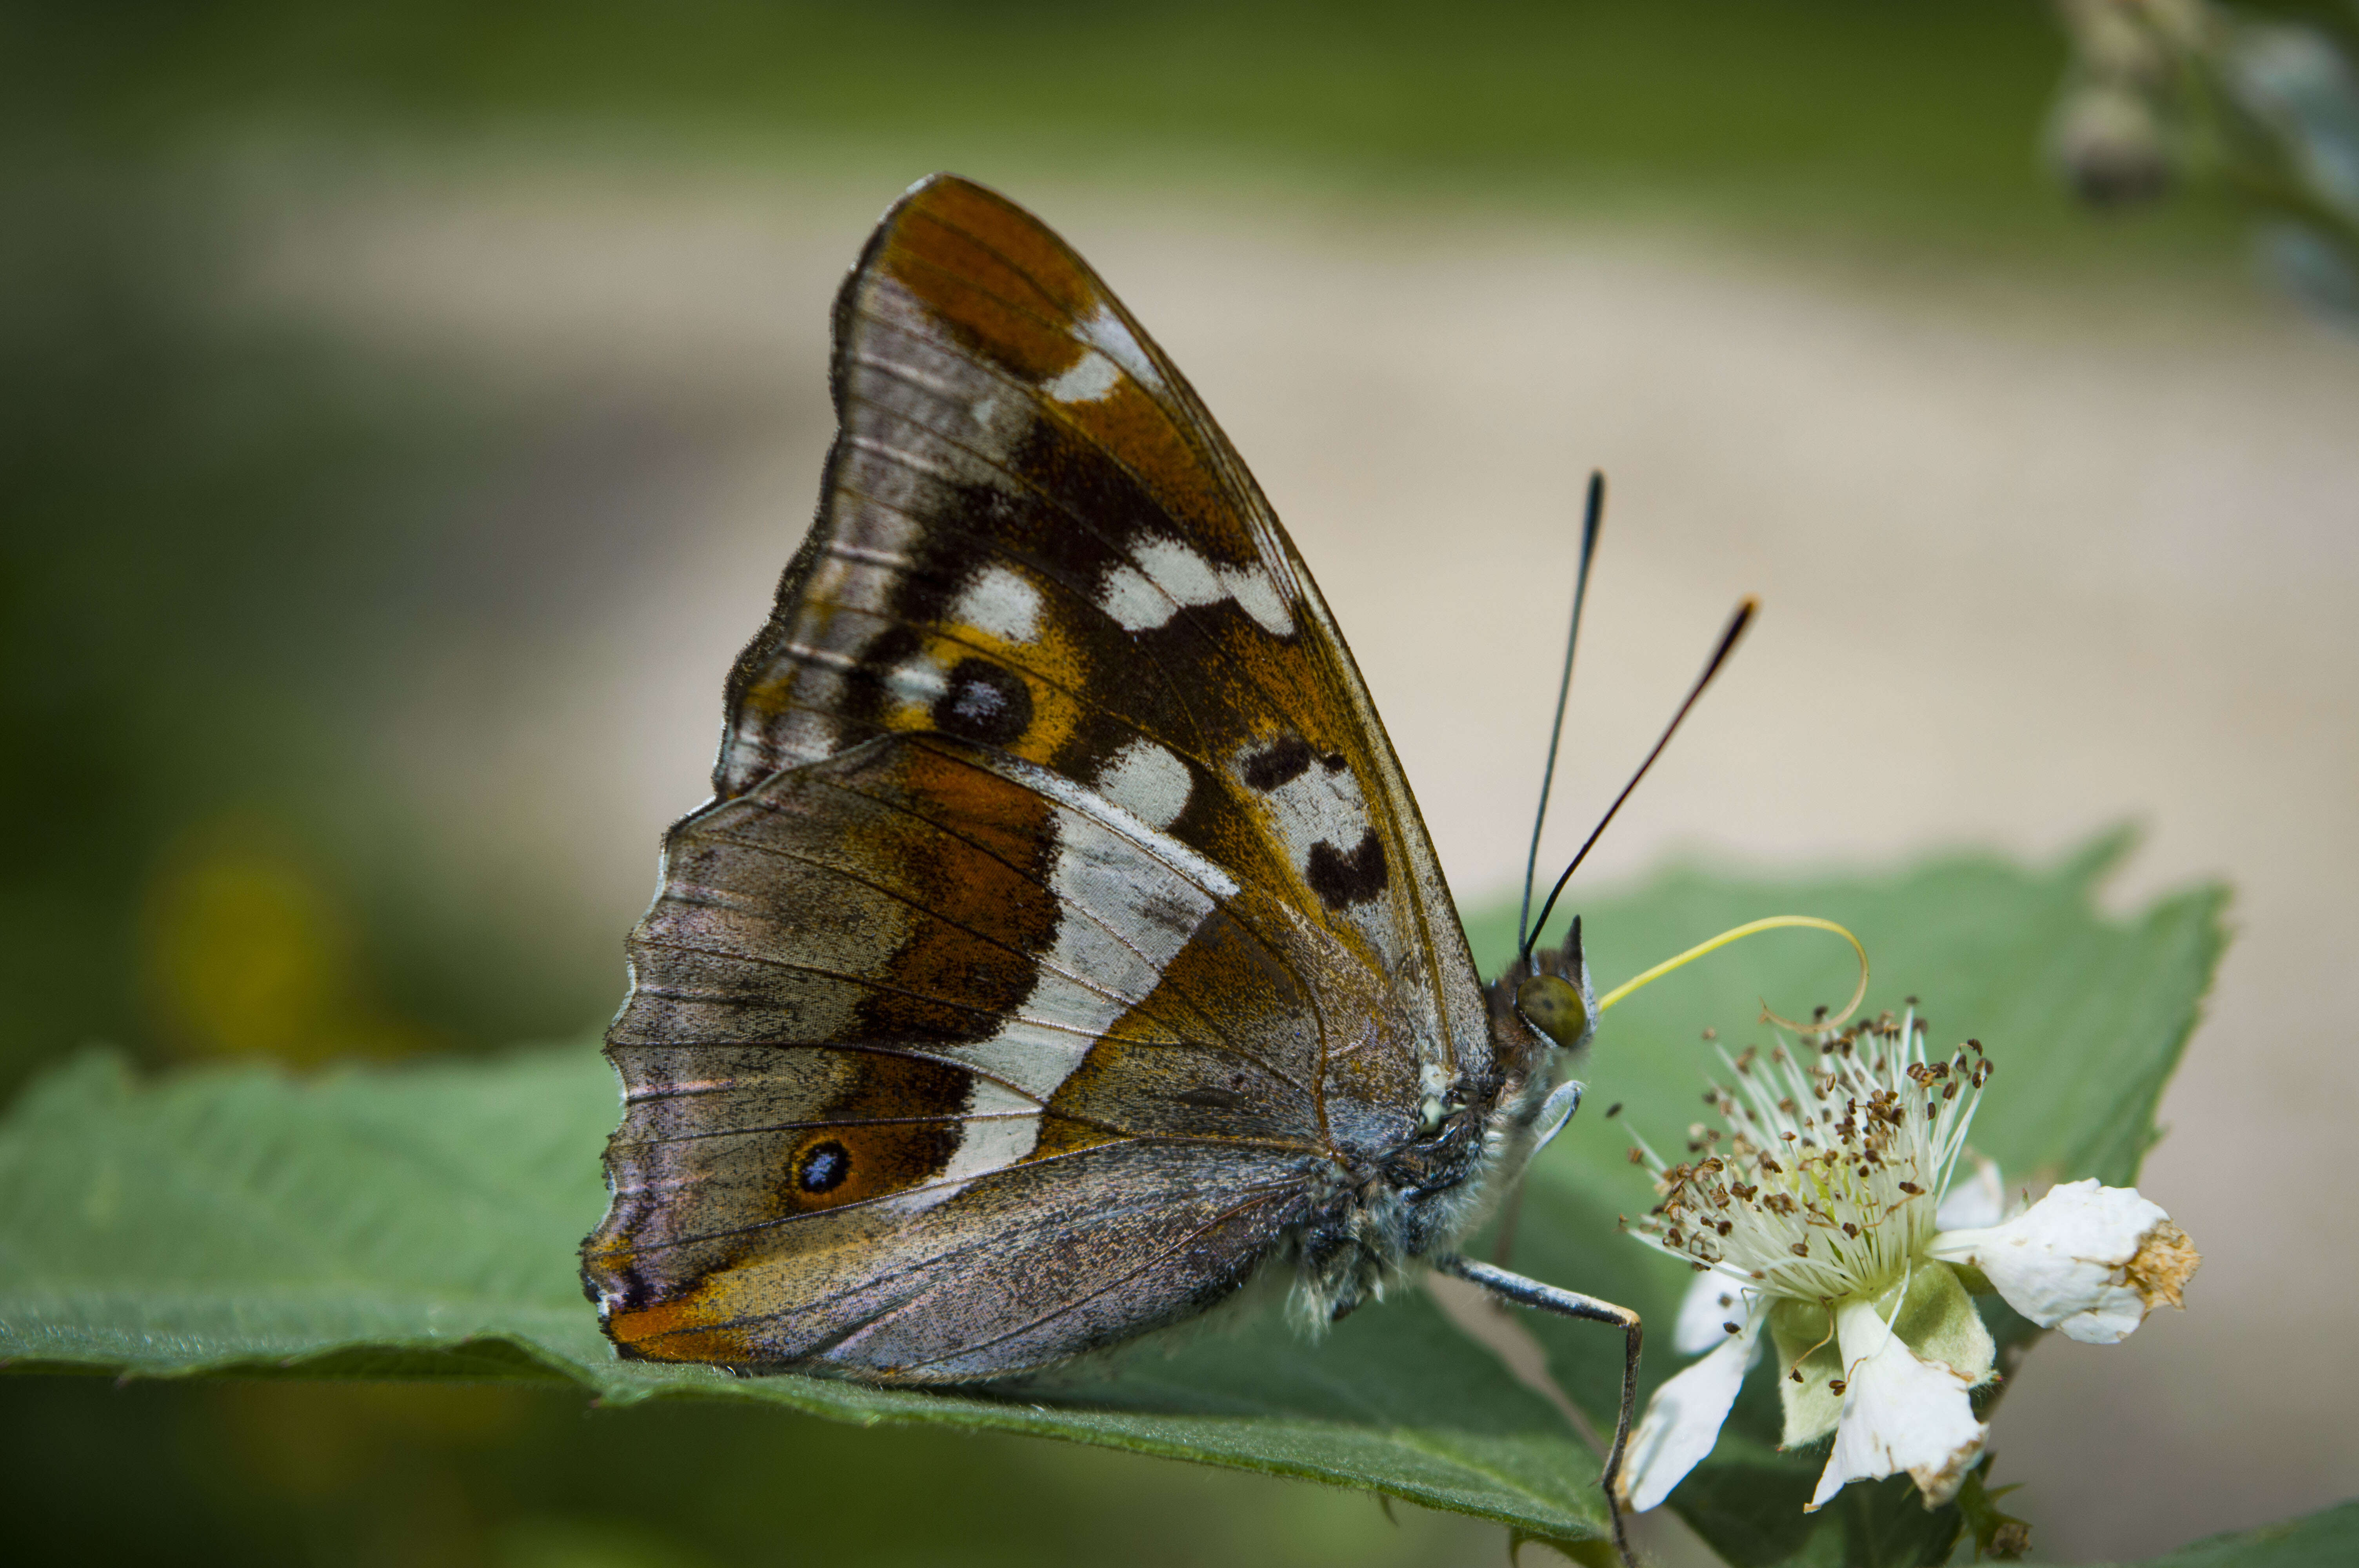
<point x="1062" y="945"/>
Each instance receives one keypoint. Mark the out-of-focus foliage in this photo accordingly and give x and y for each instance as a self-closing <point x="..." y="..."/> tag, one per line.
<point x="2167" y="92"/>
<point x="177" y="614"/>
<point x="223" y="539"/>
<point x="1864" y="120"/>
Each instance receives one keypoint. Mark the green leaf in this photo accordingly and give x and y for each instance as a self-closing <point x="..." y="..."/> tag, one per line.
<point x="2085" y="1016"/>
<point x="422" y="1222"/>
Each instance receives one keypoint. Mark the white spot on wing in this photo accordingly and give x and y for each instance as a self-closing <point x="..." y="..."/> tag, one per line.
<point x="1148" y="782"/>
<point x="1150" y="846"/>
<point x="1129" y="899"/>
<point x="1135" y="602"/>
<point x="1002" y="602"/>
<point x="1314" y="805"/>
<point x="1105" y="331"/>
<point x="919" y="683"/>
<point x="1002" y="1127"/>
<point x="1321" y="805"/>
<point x="1182" y="573"/>
<point x="1091" y="378"/>
<point x="1257" y="597"/>
<point x="1168" y="574"/>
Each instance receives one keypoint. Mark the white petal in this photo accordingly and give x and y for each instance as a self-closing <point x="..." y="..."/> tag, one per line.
<point x="1713" y="1302"/>
<point x="1979" y="1200"/>
<point x="2065" y="1262"/>
<point x="1899" y="1414"/>
<point x="1683" y="1419"/>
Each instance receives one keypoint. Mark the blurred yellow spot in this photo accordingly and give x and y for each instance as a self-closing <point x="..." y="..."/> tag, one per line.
<point x="247" y="954"/>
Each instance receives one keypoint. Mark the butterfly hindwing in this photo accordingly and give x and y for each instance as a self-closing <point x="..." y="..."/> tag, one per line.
<point x="874" y="982"/>
<point x="1061" y="912"/>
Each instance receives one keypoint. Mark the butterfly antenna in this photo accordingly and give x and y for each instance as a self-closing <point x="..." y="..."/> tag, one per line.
<point x="1736" y="624"/>
<point x="1591" y="515"/>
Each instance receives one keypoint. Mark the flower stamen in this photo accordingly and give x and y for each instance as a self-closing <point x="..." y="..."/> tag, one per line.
<point x="1872" y="1147"/>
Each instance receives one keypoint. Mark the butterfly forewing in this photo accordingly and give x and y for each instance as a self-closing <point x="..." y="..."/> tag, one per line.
<point x="1062" y="915"/>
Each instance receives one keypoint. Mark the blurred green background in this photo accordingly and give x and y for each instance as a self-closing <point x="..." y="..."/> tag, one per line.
<point x="251" y="549"/>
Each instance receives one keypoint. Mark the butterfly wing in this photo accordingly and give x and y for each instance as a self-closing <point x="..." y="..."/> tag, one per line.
<point x="1062" y="918"/>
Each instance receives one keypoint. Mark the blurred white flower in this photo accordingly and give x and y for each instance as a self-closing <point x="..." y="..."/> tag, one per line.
<point x="1827" y="1210"/>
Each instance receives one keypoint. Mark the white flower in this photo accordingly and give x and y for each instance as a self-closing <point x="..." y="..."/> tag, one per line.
<point x="1683" y="1419"/>
<point x="1899" y="1413"/>
<point x="2089" y="1260"/>
<point x="1826" y="1211"/>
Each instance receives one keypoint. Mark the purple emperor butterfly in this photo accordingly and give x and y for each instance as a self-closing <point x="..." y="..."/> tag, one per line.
<point x="1062" y="942"/>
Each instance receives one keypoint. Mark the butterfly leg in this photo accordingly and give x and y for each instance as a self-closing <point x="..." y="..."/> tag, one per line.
<point x="1572" y="1303"/>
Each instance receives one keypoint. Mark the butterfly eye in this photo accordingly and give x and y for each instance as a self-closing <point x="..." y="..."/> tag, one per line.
<point x="1551" y="1004"/>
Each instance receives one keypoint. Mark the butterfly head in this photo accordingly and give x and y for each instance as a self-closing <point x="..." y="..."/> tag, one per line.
<point x="1543" y="1016"/>
<point x="1543" y="1007"/>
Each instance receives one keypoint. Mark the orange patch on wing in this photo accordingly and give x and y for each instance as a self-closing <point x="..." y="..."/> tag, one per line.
<point x="684" y="1330"/>
<point x="1132" y="427"/>
<point x="1001" y="815"/>
<point x="991" y="307"/>
<point x="982" y="880"/>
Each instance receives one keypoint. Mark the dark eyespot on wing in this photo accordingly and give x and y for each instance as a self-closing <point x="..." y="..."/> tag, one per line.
<point x="1341" y="879"/>
<point x="822" y="1167"/>
<point x="1279" y="763"/>
<point x="985" y="703"/>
